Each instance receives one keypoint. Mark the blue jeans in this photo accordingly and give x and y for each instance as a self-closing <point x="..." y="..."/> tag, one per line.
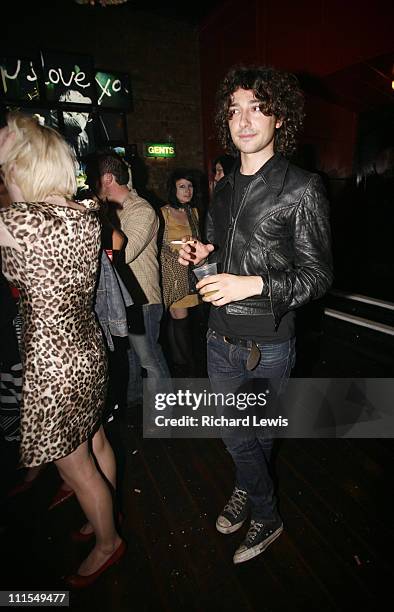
<point x="250" y="450"/>
<point x="145" y="351"/>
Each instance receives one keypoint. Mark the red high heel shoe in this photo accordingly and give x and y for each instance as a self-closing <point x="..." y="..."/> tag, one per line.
<point x="76" y="581"/>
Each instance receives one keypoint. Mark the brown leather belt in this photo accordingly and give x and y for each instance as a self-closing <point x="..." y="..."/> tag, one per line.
<point x="254" y="355"/>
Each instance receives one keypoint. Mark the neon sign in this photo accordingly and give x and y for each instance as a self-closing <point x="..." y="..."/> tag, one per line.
<point x="162" y="149"/>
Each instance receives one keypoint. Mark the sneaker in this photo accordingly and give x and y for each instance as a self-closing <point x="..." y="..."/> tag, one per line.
<point x="258" y="538"/>
<point x="234" y="512"/>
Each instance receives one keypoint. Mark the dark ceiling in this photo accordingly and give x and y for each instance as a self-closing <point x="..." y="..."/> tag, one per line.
<point x="193" y="11"/>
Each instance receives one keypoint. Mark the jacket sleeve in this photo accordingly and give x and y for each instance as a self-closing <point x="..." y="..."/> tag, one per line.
<point x="209" y="232"/>
<point x="311" y="274"/>
<point x="209" y="237"/>
<point x="140" y="228"/>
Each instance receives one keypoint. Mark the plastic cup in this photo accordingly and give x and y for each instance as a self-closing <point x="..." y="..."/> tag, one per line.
<point x="206" y="270"/>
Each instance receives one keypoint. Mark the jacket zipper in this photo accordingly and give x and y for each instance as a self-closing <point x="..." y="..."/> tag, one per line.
<point x="229" y="247"/>
<point x="234" y="220"/>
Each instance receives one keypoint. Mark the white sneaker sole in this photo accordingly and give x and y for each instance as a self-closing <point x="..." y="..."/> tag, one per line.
<point x="229" y="529"/>
<point x="250" y="553"/>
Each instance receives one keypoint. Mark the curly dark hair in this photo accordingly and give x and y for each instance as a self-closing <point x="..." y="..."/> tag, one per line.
<point x="280" y="95"/>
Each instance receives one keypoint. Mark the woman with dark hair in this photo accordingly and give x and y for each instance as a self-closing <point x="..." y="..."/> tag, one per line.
<point x="180" y="219"/>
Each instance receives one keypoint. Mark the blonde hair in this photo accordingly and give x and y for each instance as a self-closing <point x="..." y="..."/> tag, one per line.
<point x="39" y="161"/>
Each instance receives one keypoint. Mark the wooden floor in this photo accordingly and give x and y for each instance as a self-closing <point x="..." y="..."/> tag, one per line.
<point x="335" y="552"/>
<point x="335" y="497"/>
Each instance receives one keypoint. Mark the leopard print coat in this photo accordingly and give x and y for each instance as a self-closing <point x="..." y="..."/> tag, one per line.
<point x="63" y="355"/>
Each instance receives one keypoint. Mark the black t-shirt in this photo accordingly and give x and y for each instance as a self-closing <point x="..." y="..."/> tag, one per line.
<point x="260" y="328"/>
<point x="241" y="183"/>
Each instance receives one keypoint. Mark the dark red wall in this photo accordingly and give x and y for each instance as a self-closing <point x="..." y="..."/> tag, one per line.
<point x="308" y="37"/>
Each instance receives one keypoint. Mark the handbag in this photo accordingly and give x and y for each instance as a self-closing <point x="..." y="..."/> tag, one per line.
<point x="178" y="281"/>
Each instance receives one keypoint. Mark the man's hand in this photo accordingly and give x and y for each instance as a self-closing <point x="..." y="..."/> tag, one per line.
<point x="229" y="288"/>
<point x="194" y="253"/>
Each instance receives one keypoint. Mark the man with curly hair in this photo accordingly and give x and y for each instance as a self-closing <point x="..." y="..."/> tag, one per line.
<point x="268" y="228"/>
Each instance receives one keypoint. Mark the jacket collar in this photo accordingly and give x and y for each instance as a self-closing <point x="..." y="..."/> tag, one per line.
<point x="273" y="173"/>
<point x="131" y="197"/>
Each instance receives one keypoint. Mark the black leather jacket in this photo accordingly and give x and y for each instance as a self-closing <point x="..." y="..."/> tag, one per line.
<point x="281" y="232"/>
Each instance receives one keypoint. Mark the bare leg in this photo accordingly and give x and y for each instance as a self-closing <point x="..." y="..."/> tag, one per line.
<point x="32" y="473"/>
<point x="79" y="471"/>
<point x="105" y="457"/>
<point x="178" y="313"/>
<point x="64" y="487"/>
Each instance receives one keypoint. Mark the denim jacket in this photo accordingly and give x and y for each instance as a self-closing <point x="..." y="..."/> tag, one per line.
<point x="112" y="298"/>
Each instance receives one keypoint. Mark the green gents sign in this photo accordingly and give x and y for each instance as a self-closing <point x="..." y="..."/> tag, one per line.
<point x="162" y="149"/>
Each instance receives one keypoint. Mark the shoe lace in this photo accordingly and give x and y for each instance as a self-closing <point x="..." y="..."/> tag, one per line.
<point x="254" y="529"/>
<point x="236" y="502"/>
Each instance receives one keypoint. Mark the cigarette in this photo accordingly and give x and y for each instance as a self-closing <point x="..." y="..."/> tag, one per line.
<point x="182" y="242"/>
